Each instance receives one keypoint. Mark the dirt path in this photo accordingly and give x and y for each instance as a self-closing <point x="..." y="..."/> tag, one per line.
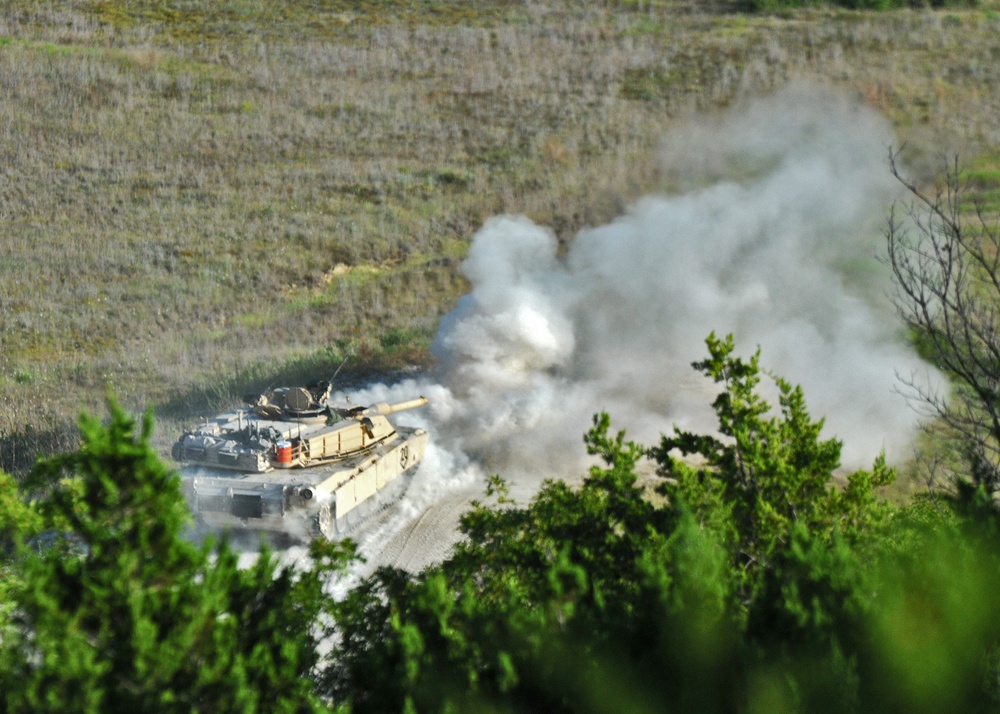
<point x="399" y="538"/>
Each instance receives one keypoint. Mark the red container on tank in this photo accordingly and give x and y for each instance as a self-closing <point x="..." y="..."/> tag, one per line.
<point x="284" y="452"/>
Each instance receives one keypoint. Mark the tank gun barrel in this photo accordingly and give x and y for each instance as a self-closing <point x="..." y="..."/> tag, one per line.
<point x="385" y="409"/>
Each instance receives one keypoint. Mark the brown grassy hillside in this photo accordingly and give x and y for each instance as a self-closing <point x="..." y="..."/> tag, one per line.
<point x="198" y="197"/>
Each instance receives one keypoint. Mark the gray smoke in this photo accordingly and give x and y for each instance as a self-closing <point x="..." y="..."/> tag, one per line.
<point x="768" y="228"/>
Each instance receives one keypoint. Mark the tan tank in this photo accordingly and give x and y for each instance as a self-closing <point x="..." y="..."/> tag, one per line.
<point x="291" y="462"/>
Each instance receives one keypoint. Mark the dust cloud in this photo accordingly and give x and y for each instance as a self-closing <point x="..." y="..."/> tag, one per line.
<point x="768" y="228"/>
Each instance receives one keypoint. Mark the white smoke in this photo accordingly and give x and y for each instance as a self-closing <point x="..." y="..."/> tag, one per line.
<point x="769" y="230"/>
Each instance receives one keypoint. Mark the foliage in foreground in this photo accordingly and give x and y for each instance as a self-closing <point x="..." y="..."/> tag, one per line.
<point x="756" y="584"/>
<point x="106" y="607"/>
<point x="751" y="581"/>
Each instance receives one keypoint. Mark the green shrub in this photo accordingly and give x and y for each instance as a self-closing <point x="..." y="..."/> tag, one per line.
<point x="107" y="606"/>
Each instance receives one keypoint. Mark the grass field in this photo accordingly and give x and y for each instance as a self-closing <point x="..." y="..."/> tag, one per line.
<point x="203" y="197"/>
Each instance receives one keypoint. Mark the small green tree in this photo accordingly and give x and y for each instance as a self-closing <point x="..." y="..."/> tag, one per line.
<point x="109" y="608"/>
<point x="764" y="475"/>
<point x="604" y="598"/>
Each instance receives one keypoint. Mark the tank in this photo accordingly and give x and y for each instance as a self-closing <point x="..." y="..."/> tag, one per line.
<point x="291" y="462"/>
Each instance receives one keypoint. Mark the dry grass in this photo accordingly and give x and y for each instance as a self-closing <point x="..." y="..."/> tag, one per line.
<point x="201" y="194"/>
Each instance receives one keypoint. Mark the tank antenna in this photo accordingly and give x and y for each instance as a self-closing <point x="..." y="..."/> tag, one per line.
<point x="334" y="377"/>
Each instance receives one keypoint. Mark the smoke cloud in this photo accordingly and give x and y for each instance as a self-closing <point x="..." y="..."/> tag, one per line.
<point x="768" y="228"/>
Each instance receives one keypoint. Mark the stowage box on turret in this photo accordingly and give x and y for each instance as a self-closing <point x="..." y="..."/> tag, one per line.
<point x="291" y="462"/>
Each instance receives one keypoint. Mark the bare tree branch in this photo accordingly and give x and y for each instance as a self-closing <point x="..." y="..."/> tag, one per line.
<point x="947" y="292"/>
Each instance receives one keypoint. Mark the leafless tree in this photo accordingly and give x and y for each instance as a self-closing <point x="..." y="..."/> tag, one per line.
<point x="944" y="253"/>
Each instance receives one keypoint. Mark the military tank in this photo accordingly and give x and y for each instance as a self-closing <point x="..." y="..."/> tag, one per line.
<point x="291" y="462"/>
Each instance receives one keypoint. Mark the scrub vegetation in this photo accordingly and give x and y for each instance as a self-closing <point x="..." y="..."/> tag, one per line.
<point x="749" y="582"/>
<point x="202" y="198"/>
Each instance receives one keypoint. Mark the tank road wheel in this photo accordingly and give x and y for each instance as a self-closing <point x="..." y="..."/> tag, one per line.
<point x="404" y="456"/>
<point x="324" y="521"/>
